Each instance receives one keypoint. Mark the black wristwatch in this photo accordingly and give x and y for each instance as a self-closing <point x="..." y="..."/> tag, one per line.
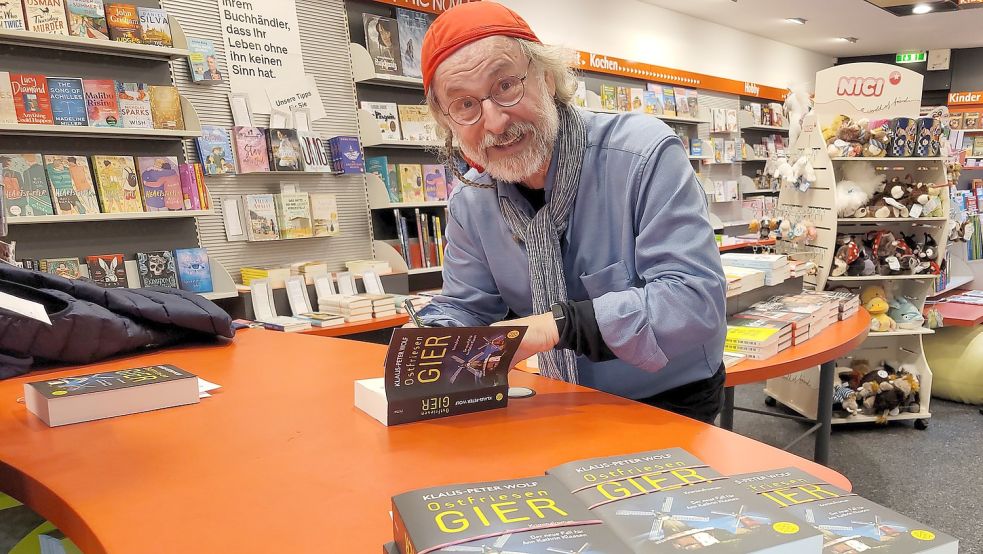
<point x="559" y="317"/>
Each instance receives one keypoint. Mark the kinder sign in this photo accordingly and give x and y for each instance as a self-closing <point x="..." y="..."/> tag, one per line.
<point x="966" y="98"/>
<point x="871" y="90"/>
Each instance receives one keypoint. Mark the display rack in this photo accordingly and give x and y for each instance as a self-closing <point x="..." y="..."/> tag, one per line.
<point x="102" y="47"/>
<point x="192" y="128"/>
<point x="799" y="391"/>
<point x="74" y="218"/>
<point x="222" y="283"/>
<point x="372" y="137"/>
<point x="379" y="198"/>
<point x="364" y="72"/>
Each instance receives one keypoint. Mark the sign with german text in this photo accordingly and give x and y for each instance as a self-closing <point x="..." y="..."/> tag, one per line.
<point x="867" y="90"/>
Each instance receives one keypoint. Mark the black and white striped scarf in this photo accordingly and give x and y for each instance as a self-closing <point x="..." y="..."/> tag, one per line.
<point x="541" y="235"/>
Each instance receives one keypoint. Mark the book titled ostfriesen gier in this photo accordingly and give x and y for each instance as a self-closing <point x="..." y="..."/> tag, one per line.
<point x="439" y="372"/>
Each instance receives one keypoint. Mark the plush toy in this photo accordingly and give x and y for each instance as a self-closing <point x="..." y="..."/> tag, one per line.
<point x="851" y="200"/>
<point x="905" y="314"/>
<point x="850" y="131"/>
<point x="881" y="397"/>
<point x="845" y="255"/>
<point x="933" y="208"/>
<point x="864" y="176"/>
<point x="784" y="173"/>
<point x="845" y="398"/>
<point x="879" y="320"/>
<point x="879" y="136"/>
<point x="798" y="103"/>
<point x="830" y="131"/>
<point x="803" y="174"/>
<point x="858" y="369"/>
<point x="872" y="291"/>
<point x="864" y="264"/>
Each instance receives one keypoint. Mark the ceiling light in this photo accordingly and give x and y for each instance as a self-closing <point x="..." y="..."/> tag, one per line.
<point x="796" y="20"/>
<point x="921" y="8"/>
<point x="848" y="39"/>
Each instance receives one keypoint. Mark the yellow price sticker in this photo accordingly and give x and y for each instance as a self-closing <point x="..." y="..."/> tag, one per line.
<point x="923" y="535"/>
<point x="785" y="527"/>
<point x="512" y="334"/>
<point x="499" y="397"/>
<point x="59" y="392"/>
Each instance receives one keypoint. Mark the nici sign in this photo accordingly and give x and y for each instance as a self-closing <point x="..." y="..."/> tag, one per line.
<point x="871" y="90"/>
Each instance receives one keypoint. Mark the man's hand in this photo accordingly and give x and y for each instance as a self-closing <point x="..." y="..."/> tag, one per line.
<point x="541" y="335"/>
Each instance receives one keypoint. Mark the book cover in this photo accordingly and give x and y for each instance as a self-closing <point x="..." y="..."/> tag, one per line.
<point x="46" y="16"/>
<point x="123" y="22"/>
<point x="161" y="183"/>
<point x="731" y="124"/>
<point x="637" y="102"/>
<point x="251" y="149"/>
<point x="387" y="116"/>
<point x="157" y="269"/>
<point x="411" y="182"/>
<point x="314" y="151"/>
<point x="971" y="120"/>
<point x="71" y="186"/>
<point x="100" y="102"/>
<point x="668" y="101"/>
<point x="411" y="26"/>
<point x="652" y="102"/>
<point x="165" y="106"/>
<point x="397" y="190"/>
<point x="294" y="210"/>
<point x="324" y="214"/>
<point x="68" y="268"/>
<point x="107" y="270"/>
<point x="347" y="157"/>
<point x="668" y="500"/>
<point x="133" y="104"/>
<point x="215" y="151"/>
<point x="67" y="101"/>
<point x="624" y="100"/>
<point x="682" y="101"/>
<point x="417" y="123"/>
<point x="580" y="95"/>
<point x="202" y="61"/>
<point x="8" y="112"/>
<point x="978" y="146"/>
<point x="719" y="119"/>
<point x="87" y="18"/>
<point x="435" y="182"/>
<point x="194" y="273"/>
<point x="155" y="28"/>
<point x="25" y="187"/>
<point x="32" y="104"/>
<point x="117" y="183"/>
<point x="379" y="166"/>
<point x="263" y="223"/>
<point x="285" y="153"/>
<point x="382" y="42"/>
<point x="534" y="515"/>
<point x="609" y="97"/>
<point x="12" y="16"/>
<point x="693" y="99"/>
<point x="848" y="522"/>
<point x="189" y="186"/>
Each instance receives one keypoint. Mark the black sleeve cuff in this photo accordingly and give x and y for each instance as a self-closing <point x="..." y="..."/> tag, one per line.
<point x="579" y="332"/>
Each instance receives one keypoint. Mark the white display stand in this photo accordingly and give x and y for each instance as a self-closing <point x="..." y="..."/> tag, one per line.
<point x="103" y="47"/>
<point x="369" y="129"/>
<point x="364" y="71"/>
<point x="70" y="218"/>
<point x="192" y="128"/>
<point x="379" y="197"/>
<point x="900" y="93"/>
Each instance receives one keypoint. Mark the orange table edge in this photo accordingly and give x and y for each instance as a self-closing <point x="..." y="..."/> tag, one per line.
<point x="748" y="244"/>
<point x="279" y="459"/>
<point x="365" y="326"/>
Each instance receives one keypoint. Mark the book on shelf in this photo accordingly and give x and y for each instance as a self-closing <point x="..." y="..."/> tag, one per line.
<point x="382" y="43"/>
<point x="435" y="176"/>
<point x="32" y="103"/>
<point x="45" y="16"/>
<point x="623" y="99"/>
<point x="67" y="101"/>
<point x="652" y="102"/>
<point x="123" y="21"/>
<point x="215" y="150"/>
<point x="70" y="184"/>
<point x="801" y="323"/>
<point x="277" y="275"/>
<point x="847" y="522"/>
<point x="636" y="102"/>
<point x="87" y="19"/>
<point x="459" y="369"/>
<point x="251" y="150"/>
<point x="294" y="210"/>
<point x="165" y="106"/>
<point x="438" y="233"/>
<point x="133" y="103"/>
<point x="109" y="394"/>
<point x="202" y="62"/>
<point x="379" y="166"/>
<point x="731" y="120"/>
<point x="12" y="16"/>
<point x="157" y="269"/>
<point x="693" y="99"/>
<point x="322" y="319"/>
<point x="25" y="185"/>
<point x="421" y="239"/>
<point x="287" y="324"/>
<point x="161" y="183"/>
<point x="155" y="27"/>
<point x="262" y="222"/>
<point x="8" y="112"/>
<point x="117" y="183"/>
<point x="107" y="270"/>
<point x="346" y="155"/>
<point x="101" y="103"/>
<point x="749" y="278"/>
<point x="189" y="186"/>
<point x="314" y="152"/>
<point x="580" y="94"/>
<point x="668" y="101"/>
<point x="402" y="237"/>
<point x="324" y="214"/>
<point x="609" y="96"/>
<point x="971" y="120"/>
<point x="416" y="123"/>
<point x="386" y="115"/>
<point x="285" y="154"/>
<point x="411" y="182"/>
<point x="310" y="270"/>
<point x="682" y="101"/>
<point x="69" y="268"/>
<point x="412" y="27"/>
<point x="194" y="271"/>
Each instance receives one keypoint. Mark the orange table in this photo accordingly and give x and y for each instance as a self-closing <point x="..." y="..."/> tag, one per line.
<point x="278" y="460"/>
<point x="822" y="350"/>
<point x="374" y="324"/>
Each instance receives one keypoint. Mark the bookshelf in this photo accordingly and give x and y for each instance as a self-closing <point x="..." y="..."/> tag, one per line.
<point x="372" y="137"/>
<point x="102" y="47"/>
<point x="222" y="283"/>
<point x="364" y="72"/>
<point x="75" y="218"/>
<point x="192" y="128"/>
<point x="421" y="270"/>
<point x="379" y="198"/>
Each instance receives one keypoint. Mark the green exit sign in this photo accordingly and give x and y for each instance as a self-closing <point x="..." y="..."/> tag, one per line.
<point x="910" y="57"/>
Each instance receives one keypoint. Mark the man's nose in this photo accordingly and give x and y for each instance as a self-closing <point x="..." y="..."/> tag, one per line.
<point x="496" y="118"/>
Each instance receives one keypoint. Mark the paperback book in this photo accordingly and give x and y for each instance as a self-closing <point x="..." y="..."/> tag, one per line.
<point x="87" y="18"/>
<point x="382" y="42"/>
<point x="25" y="189"/>
<point x="346" y="155"/>
<point x="32" y="104"/>
<point x="123" y="22"/>
<point x="411" y="182"/>
<point x="314" y="151"/>
<point x="67" y="101"/>
<point x="71" y="185"/>
<point x="417" y="123"/>
<point x="411" y="26"/>
<point x="12" y="16"/>
<point x="609" y="97"/>
<point x="107" y="270"/>
<point x="165" y="106"/>
<point x="435" y="182"/>
<point x="294" y="210"/>
<point x="45" y="16"/>
<point x="379" y="166"/>
<point x="202" y="61"/>
<point x="117" y="183"/>
<point x="157" y="269"/>
<point x="285" y="152"/>
<point x="155" y="28"/>
<point x="68" y="268"/>
<point x="668" y="101"/>
<point x="161" y="183"/>
<point x="215" y="151"/>
<point x="262" y="221"/>
<point x="682" y="101"/>
<point x="133" y="103"/>
<point x="8" y="113"/>
<point x="637" y="99"/>
<point x="194" y="273"/>
<point x="386" y="115"/>
<point x="101" y="103"/>
<point x="251" y="149"/>
<point x="324" y="214"/>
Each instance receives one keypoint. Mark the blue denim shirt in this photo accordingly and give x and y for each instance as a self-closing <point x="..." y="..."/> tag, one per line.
<point x="638" y="245"/>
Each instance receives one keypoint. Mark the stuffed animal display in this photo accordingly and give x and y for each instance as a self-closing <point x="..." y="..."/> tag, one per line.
<point x="881" y="391"/>
<point x="883" y="252"/>
<point x="865" y="194"/>
<point x="849" y="138"/>
<point x="890" y="314"/>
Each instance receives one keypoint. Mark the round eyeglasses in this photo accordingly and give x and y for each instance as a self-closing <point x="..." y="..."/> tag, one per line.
<point x="506" y="92"/>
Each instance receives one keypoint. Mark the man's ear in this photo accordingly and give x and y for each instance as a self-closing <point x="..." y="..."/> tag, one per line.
<point x="550" y="84"/>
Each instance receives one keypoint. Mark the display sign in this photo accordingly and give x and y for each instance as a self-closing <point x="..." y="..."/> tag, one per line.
<point x="432" y="6"/>
<point x="588" y="61"/>
<point x="910" y="57"/>
<point x="966" y="98"/>
<point x="262" y="48"/>
<point x="302" y="95"/>
<point x="867" y="90"/>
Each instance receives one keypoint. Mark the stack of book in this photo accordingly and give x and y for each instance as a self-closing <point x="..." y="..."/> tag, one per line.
<point x="286" y="324"/>
<point x="757" y="338"/>
<point x="800" y="268"/>
<point x="801" y="323"/>
<point x="822" y="312"/>
<point x="847" y="302"/>
<point x="352" y="308"/>
<point x="322" y="319"/>
<point x="309" y="270"/>
<point x="742" y="279"/>
<point x="383" y="305"/>
<point x="358" y="267"/>
<point x="775" y="266"/>
<point x="276" y="274"/>
<point x="416" y="300"/>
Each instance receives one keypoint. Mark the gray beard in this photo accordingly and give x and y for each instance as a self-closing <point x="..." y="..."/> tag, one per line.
<point x="519" y="167"/>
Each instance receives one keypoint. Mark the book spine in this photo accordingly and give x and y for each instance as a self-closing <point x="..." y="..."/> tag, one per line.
<point x="438" y="233"/>
<point x="203" y="199"/>
<point x="419" y="235"/>
<point x="425" y="252"/>
<point x="400" y="236"/>
<point x="406" y="240"/>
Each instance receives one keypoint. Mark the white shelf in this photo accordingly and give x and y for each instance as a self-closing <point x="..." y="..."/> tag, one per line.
<point x="902" y="332"/>
<point x="681" y="119"/>
<point x="765" y="128"/>
<point x="722" y="163"/>
<point x="363" y="70"/>
<point x="106" y="217"/>
<point x="888" y="159"/>
<point x="420" y="270"/>
<point x="755" y="160"/>
<point x="102" y="47"/>
<point x="737" y="223"/>
<point x="849" y="220"/>
<point x="968" y="130"/>
<point x="222" y="294"/>
<point x="954" y="283"/>
<point x="760" y="192"/>
<point x="222" y="284"/>
<point x="372" y="137"/>
<point x="379" y="197"/>
<point x="861" y="418"/>
<point x="192" y="128"/>
<point x="881" y="278"/>
<point x="271" y="173"/>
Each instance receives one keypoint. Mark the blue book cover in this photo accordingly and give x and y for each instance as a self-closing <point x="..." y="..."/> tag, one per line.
<point x="203" y="63"/>
<point x="194" y="273"/>
<point x="215" y="151"/>
<point x="348" y="155"/>
<point x="379" y="166"/>
<point x="67" y="101"/>
<point x="412" y="26"/>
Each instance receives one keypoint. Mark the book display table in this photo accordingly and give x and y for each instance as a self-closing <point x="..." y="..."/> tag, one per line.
<point x="823" y="350"/>
<point x="280" y="459"/>
<point x="374" y="324"/>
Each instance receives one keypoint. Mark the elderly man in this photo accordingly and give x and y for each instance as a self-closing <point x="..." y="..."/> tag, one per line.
<point x="590" y="227"/>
